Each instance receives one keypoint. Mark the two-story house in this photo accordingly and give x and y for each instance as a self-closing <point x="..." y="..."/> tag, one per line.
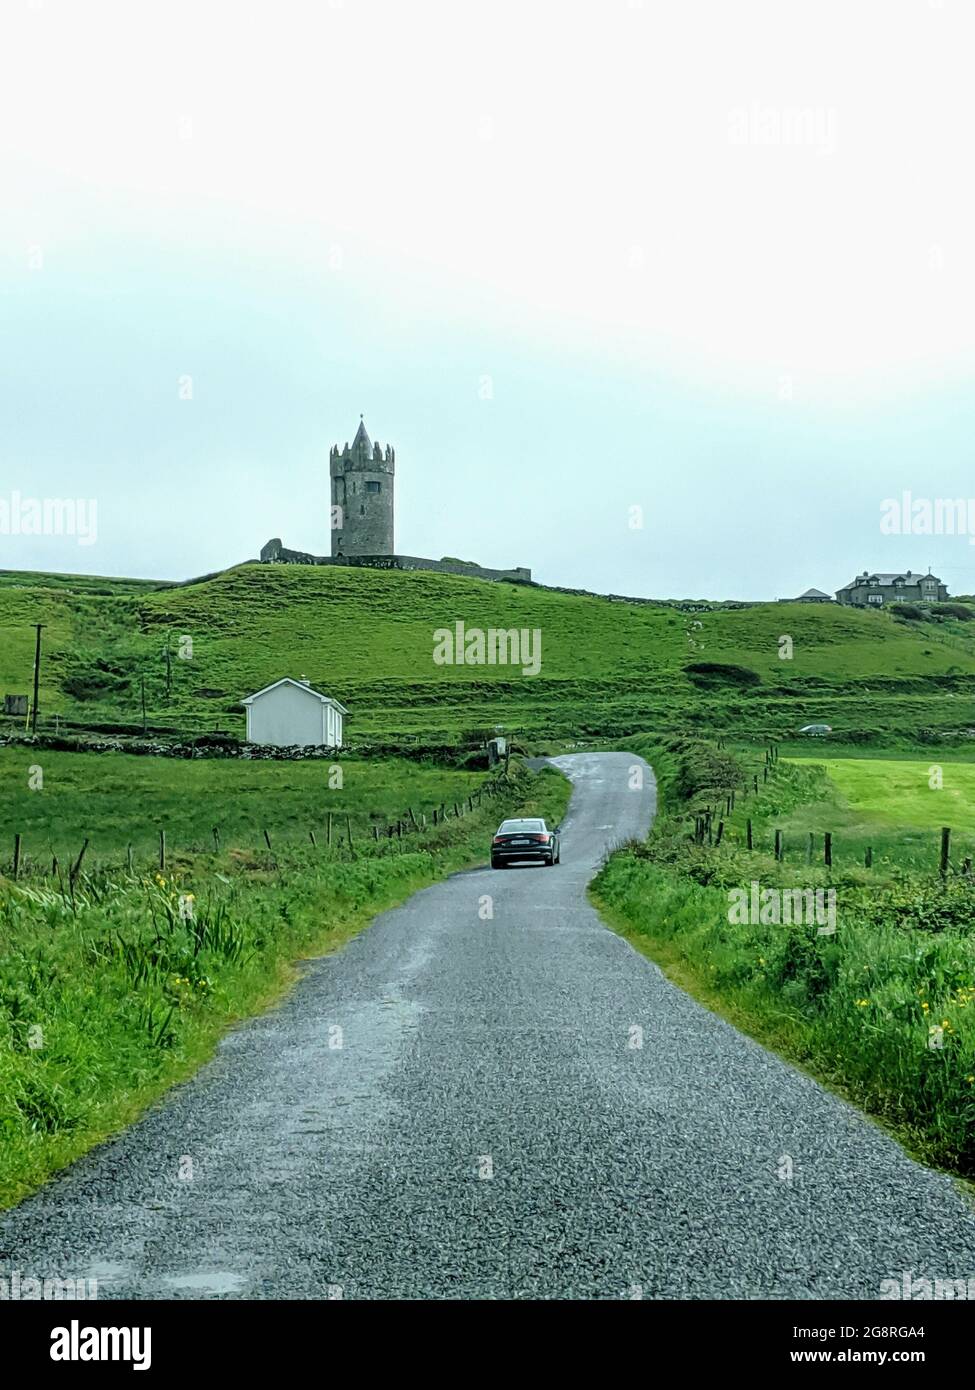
<point x="874" y="590"/>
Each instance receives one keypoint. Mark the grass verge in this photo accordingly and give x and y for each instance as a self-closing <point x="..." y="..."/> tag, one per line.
<point x="881" y="1010"/>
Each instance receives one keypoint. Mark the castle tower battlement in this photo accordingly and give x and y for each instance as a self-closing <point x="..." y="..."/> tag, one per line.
<point x="362" y="481"/>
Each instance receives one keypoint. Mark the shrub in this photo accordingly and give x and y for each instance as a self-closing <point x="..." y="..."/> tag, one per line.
<point x="711" y="673"/>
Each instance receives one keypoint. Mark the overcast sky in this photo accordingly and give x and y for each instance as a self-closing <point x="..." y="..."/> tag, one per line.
<point x="711" y="260"/>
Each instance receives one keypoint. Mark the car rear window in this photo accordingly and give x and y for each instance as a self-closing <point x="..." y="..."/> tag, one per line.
<point x="522" y="825"/>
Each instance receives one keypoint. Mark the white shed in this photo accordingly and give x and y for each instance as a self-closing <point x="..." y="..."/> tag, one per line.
<point x="292" y="713"/>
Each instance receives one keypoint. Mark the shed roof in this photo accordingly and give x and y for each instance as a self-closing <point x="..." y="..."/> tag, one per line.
<point x="301" y="685"/>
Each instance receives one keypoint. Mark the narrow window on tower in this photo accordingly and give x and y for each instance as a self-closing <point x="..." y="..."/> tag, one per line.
<point x="373" y="487"/>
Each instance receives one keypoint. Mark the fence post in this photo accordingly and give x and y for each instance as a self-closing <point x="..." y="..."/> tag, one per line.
<point x="328" y="830"/>
<point x="778" y="845"/>
<point x="16" y="857"/>
<point x="717" y="838"/>
<point x="348" y="829"/>
<point x="828" y="849"/>
<point x="267" y="840"/>
<point x="162" y="851"/>
<point x="748" y="833"/>
<point x="945" y="849"/>
<point x="868" y="857"/>
<point x="77" y="865"/>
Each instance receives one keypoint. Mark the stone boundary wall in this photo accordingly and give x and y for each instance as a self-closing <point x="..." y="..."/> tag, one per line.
<point x="274" y="553"/>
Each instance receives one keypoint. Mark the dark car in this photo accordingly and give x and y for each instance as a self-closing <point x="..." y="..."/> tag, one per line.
<point x="518" y="841"/>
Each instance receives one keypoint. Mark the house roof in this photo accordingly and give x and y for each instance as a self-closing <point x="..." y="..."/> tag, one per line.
<point x="895" y="577"/>
<point x="814" y="593"/>
<point x="301" y="685"/>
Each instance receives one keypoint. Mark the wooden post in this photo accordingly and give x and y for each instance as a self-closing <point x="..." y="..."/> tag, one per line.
<point x="348" y="829"/>
<point x="717" y="838"/>
<point x="416" y="823"/>
<point x="765" y="773"/>
<point x="828" y="849"/>
<point x="868" y="857"/>
<point x="755" y="780"/>
<point x="945" y="849"/>
<point x="748" y="833"/>
<point x="778" y="845"/>
<point x="267" y="840"/>
<point x="967" y="868"/>
<point x="328" y="830"/>
<point x="162" y="850"/>
<point x="77" y="865"/>
<point x="311" y="836"/>
<point x="216" y="839"/>
<point x="16" y="857"/>
<point x="810" y="847"/>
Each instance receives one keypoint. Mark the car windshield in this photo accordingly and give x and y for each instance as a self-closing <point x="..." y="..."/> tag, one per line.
<point x="510" y="826"/>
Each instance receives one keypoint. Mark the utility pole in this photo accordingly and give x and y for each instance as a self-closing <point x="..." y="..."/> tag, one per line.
<point x="37" y="675"/>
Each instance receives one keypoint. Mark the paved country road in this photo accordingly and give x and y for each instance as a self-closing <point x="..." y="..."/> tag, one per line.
<point x="487" y="1129"/>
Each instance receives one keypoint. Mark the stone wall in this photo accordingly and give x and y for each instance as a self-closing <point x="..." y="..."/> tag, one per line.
<point x="274" y="553"/>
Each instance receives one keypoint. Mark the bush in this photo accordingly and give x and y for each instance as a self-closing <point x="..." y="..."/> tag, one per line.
<point x="953" y="610"/>
<point x="711" y="673"/>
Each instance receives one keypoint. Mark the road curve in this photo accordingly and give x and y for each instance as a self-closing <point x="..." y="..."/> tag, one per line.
<point x="489" y="1129"/>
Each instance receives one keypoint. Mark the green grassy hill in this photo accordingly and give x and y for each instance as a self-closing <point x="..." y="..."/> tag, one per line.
<point x="366" y="636"/>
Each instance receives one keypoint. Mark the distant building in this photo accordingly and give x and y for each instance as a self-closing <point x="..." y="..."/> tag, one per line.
<point x="292" y="714"/>
<point x="874" y="590"/>
<point x="363" y="478"/>
<point x="362" y="497"/>
<point x="810" y="596"/>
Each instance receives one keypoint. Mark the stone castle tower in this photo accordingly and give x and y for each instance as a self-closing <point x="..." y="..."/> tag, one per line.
<point x="362" y="497"/>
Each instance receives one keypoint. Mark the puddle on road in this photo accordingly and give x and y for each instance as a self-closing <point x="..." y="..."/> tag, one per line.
<point x="108" y="1272"/>
<point x="206" y="1281"/>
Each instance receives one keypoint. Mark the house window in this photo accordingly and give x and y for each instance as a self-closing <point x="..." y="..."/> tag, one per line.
<point x="876" y="599"/>
<point x="373" y="487"/>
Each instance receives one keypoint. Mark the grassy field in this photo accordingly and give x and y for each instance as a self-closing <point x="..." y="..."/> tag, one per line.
<point x="883" y="1007"/>
<point x="367" y="636"/>
<point x="116" y="800"/>
<point x="116" y="988"/>
<point x="894" y="794"/>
